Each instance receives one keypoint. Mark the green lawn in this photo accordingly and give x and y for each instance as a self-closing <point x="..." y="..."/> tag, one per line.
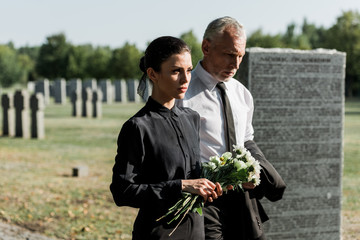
<point x="351" y="173"/>
<point x="38" y="192"/>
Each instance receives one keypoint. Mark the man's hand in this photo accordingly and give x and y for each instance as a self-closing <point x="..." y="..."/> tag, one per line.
<point x="248" y="185"/>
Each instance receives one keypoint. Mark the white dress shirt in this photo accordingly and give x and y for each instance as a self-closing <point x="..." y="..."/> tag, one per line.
<point x="203" y="97"/>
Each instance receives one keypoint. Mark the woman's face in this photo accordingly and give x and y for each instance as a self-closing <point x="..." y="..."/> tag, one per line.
<point x="173" y="78"/>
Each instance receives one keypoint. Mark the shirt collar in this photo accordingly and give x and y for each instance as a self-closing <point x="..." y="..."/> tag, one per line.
<point x="206" y="78"/>
<point x="163" y="111"/>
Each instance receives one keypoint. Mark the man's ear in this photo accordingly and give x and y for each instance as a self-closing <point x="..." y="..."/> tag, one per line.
<point x="151" y="74"/>
<point x="205" y="46"/>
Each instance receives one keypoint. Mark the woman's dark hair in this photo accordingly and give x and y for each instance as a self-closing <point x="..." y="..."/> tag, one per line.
<point x="158" y="51"/>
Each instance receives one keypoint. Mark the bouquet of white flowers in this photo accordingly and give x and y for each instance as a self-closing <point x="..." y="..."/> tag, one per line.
<point x="227" y="169"/>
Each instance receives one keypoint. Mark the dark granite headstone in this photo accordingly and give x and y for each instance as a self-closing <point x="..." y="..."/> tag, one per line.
<point x="22" y="121"/>
<point x="76" y="103"/>
<point x="90" y="83"/>
<point x="107" y="91"/>
<point x="37" y="116"/>
<point x="87" y="110"/>
<point x="120" y="91"/>
<point x="7" y="103"/>
<point x="132" y="85"/>
<point x="43" y="86"/>
<point x="80" y="171"/>
<point x="97" y="103"/>
<point x="60" y="91"/>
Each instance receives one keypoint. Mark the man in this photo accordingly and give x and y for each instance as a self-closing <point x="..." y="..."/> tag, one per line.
<point x="235" y="215"/>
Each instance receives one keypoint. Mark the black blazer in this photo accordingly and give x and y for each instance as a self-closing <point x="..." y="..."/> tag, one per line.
<point x="272" y="187"/>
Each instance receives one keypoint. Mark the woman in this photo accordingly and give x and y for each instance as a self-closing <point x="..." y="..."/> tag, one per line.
<point x="158" y="148"/>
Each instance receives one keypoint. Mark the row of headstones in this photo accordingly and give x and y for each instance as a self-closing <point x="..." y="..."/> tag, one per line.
<point x="18" y="108"/>
<point x="87" y="103"/>
<point x="118" y="90"/>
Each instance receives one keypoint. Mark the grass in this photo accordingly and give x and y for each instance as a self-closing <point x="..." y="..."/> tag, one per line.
<point x="38" y="192"/>
<point x="351" y="172"/>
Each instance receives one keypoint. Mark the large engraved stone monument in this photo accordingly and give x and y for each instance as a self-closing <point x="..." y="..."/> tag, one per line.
<point x="298" y="121"/>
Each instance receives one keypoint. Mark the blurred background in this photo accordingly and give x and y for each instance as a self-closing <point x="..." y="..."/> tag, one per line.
<point x="48" y="39"/>
<point x="52" y="39"/>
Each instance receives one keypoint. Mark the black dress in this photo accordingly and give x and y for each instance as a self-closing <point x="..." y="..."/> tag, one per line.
<point x="157" y="148"/>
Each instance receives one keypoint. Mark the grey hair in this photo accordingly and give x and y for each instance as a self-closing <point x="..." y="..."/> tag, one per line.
<point x="218" y="26"/>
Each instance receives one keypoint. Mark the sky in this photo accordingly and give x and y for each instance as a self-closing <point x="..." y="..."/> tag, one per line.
<point x="114" y="22"/>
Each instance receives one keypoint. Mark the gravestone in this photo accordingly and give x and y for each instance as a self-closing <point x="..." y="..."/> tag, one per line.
<point x="90" y="83"/>
<point x="75" y="85"/>
<point x="22" y="121"/>
<point x="132" y="86"/>
<point x="43" y="86"/>
<point x="298" y="122"/>
<point x="80" y="171"/>
<point x="7" y="103"/>
<point x="37" y="107"/>
<point x="76" y="103"/>
<point x="107" y="91"/>
<point x="97" y="103"/>
<point x="87" y="109"/>
<point x="31" y="86"/>
<point x="75" y="90"/>
<point x="68" y="93"/>
<point x="60" y="91"/>
<point x="120" y="91"/>
<point x="52" y="89"/>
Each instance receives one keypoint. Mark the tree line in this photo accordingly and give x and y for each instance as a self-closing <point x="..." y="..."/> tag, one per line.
<point x="58" y="58"/>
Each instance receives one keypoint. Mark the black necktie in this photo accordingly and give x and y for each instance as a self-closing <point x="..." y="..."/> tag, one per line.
<point x="230" y="136"/>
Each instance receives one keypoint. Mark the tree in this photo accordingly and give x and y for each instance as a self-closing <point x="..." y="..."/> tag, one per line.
<point x="195" y="46"/>
<point x="53" y="57"/>
<point x="77" y="61"/>
<point x="10" y="68"/>
<point x="289" y="36"/>
<point x="27" y="66"/>
<point x="98" y="63"/>
<point x="124" y="62"/>
<point x="315" y="35"/>
<point x="258" y="39"/>
<point x="345" y="36"/>
<point x="32" y="53"/>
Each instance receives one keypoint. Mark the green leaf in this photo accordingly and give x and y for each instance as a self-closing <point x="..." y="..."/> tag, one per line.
<point x="199" y="211"/>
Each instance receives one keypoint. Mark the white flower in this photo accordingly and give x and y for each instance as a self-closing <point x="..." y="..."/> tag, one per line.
<point x="239" y="149"/>
<point x="216" y="160"/>
<point x="212" y="165"/>
<point x="257" y="166"/>
<point x="254" y="179"/>
<point x="239" y="165"/>
<point x="226" y="155"/>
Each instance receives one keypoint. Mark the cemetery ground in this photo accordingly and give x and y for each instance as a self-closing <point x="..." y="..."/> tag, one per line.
<point x="39" y="193"/>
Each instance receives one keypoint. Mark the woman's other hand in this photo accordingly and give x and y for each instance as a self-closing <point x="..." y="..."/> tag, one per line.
<point x="203" y="187"/>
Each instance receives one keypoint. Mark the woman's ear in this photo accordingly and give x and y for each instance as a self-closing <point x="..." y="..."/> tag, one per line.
<point x="152" y="74"/>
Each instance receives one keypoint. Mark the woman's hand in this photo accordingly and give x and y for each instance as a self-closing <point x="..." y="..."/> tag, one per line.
<point x="203" y="187"/>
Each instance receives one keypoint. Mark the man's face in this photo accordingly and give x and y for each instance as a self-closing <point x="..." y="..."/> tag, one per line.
<point x="223" y="55"/>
